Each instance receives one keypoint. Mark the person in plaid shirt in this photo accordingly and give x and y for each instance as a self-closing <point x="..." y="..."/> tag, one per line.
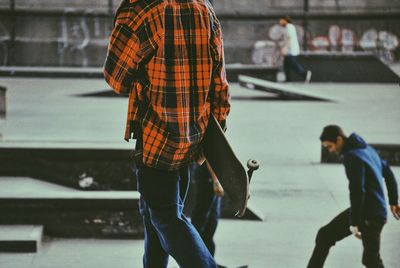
<point x="168" y="56"/>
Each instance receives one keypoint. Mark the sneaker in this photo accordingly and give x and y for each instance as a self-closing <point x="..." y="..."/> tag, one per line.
<point x="308" y="77"/>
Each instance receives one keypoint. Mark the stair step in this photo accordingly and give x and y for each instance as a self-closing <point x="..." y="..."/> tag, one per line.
<point x="20" y="238"/>
<point x="68" y="212"/>
<point x="22" y="193"/>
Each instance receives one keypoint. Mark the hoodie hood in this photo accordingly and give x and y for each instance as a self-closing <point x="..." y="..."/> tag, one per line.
<point x="354" y="142"/>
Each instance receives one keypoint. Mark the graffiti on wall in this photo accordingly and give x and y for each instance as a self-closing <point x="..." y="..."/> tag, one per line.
<point x="268" y="52"/>
<point x="76" y="34"/>
<point x="79" y="37"/>
<point x="381" y="43"/>
<point x="75" y="42"/>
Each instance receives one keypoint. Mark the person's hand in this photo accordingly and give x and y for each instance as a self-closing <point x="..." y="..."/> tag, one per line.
<point x="218" y="189"/>
<point x="395" y="211"/>
<point x="354" y="230"/>
<point x="199" y="157"/>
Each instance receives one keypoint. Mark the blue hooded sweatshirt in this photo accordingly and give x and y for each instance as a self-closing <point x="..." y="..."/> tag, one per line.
<point x="367" y="173"/>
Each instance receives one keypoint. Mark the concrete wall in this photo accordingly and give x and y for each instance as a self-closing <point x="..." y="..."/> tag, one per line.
<point x="263" y="6"/>
<point x="55" y="40"/>
<point x="75" y="33"/>
<point x="98" y="5"/>
<point x="256" y="41"/>
<point x="220" y="5"/>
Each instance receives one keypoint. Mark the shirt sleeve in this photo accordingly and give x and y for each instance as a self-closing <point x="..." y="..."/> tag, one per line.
<point x="292" y="34"/>
<point x="219" y="84"/>
<point x="355" y="171"/>
<point x="391" y="183"/>
<point x="123" y="58"/>
<point x="285" y="44"/>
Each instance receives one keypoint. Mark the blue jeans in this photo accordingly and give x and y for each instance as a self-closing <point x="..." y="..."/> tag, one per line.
<point x="207" y="206"/>
<point x="166" y="229"/>
<point x="290" y="64"/>
<point x="338" y="229"/>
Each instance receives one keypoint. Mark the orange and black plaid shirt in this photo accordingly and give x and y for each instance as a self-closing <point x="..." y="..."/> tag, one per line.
<point x="168" y="55"/>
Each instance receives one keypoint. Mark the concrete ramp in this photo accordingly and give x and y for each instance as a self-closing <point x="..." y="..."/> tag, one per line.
<point x="283" y="90"/>
<point x="347" y="67"/>
<point x="20" y="238"/>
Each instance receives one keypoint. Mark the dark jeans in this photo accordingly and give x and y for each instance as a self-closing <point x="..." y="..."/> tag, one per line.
<point x="338" y="229"/>
<point x="206" y="210"/>
<point x="167" y="231"/>
<point x="290" y="63"/>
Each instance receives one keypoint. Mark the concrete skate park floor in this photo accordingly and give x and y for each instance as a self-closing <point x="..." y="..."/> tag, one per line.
<point x="292" y="190"/>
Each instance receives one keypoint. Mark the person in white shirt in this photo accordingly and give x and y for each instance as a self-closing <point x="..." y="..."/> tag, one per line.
<point x="290" y="50"/>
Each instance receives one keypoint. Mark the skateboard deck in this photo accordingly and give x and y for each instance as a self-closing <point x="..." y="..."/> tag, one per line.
<point x="226" y="166"/>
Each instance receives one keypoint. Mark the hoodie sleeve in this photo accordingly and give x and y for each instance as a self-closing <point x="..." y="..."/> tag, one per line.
<point x="355" y="172"/>
<point x="391" y="183"/>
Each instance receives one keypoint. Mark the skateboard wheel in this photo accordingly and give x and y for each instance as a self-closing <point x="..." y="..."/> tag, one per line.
<point x="253" y="164"/>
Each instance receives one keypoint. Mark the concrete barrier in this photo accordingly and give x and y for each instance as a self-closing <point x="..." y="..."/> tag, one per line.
<point x="232" y="72"/>
<point x="83" y="169"/>
<point x="77" y="214"/>
<point x="389" y="152"/>
<point x="353" y="67"/>
<point x="3" y="91"/>
<point x="20" y="238"/>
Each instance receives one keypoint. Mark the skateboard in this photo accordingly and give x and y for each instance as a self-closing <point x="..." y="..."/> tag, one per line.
<point x="226" y="167"/>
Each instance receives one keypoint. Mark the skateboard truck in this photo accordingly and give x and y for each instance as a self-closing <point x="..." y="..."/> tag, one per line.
<point x="252" y="165"/>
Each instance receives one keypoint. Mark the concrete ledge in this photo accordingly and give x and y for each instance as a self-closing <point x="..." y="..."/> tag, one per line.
<point x="353" y="67"/>
<point x="98" y="171"/>
<point x="78" y="214"/>
<point x="20" y="238"/>
<point x="75" y="167"/>
<point x="51" y="72"/>
<point x="326" y="67"/>
<point x="233" y="71"/>
<point x="3" y="91"/>
<point x="389" y="152"/>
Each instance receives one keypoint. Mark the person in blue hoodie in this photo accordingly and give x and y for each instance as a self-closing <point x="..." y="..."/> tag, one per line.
<point x="367" y="174"/>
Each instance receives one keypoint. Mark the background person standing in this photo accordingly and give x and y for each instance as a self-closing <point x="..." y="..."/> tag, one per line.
<point x="290" y="50"/>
